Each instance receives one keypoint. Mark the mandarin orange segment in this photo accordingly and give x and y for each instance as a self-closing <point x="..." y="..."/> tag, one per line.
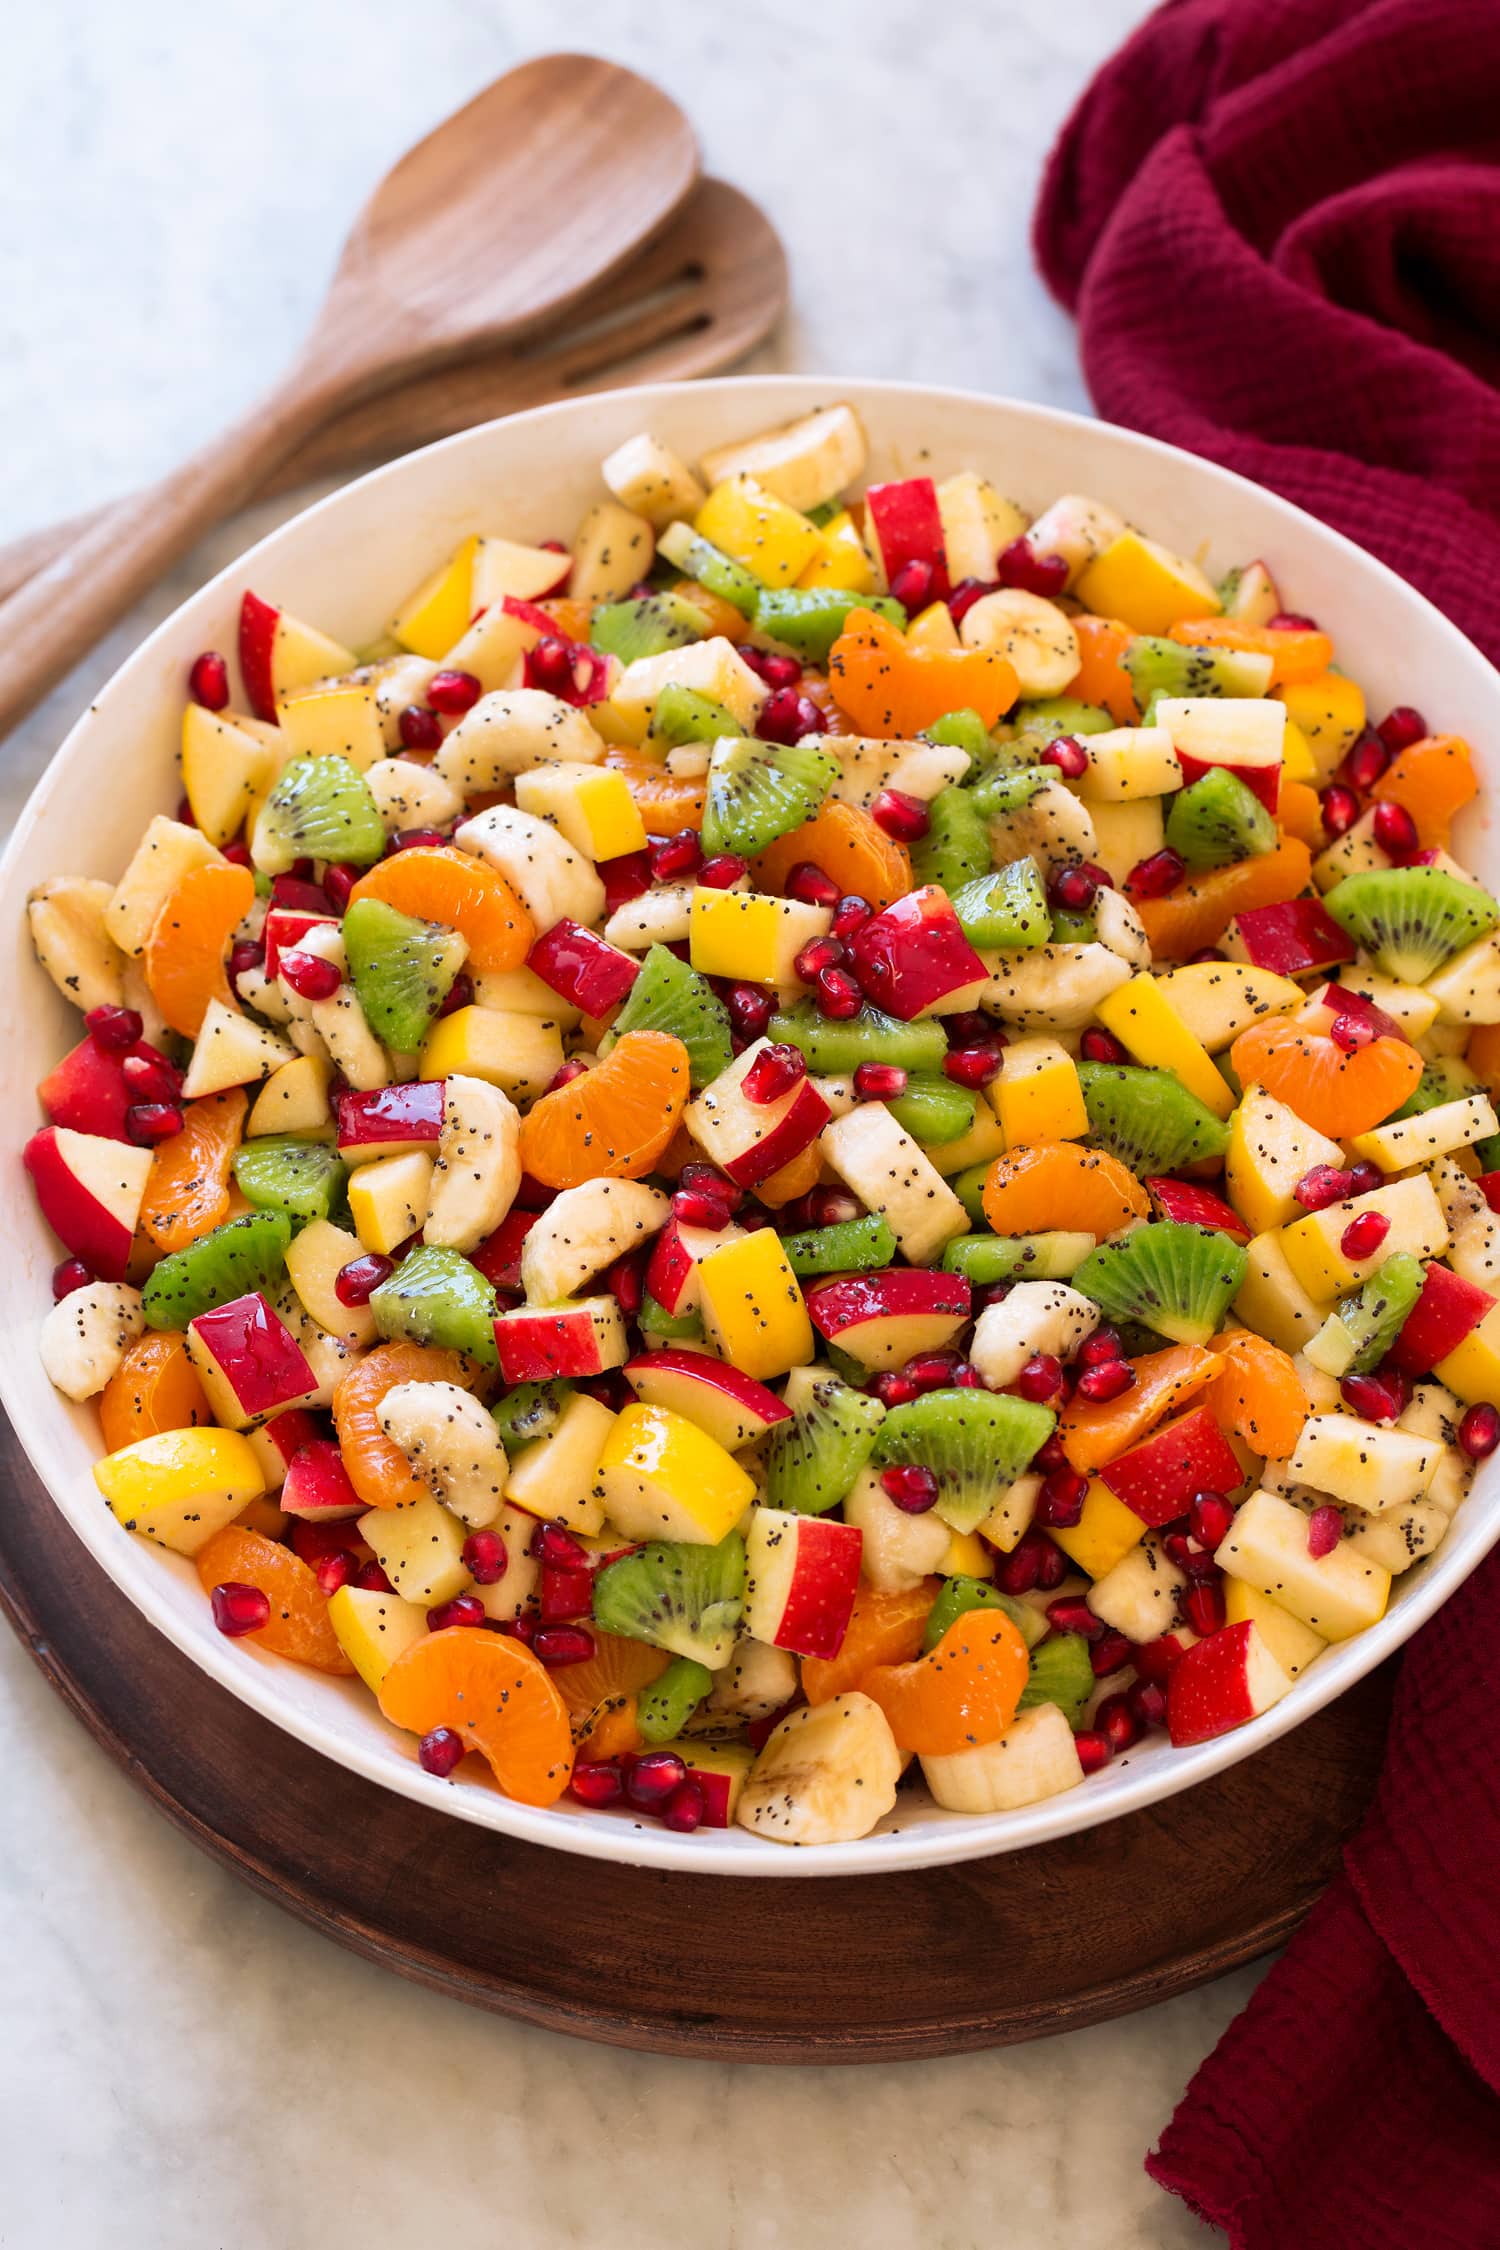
<point x="883" y="1629"/>
<point x="725" y="622"/>
<point x="798" y="1176"/>
<point x="1337" y="1094"/>
<point x="298" y="1625"/>
<point x="1094" y="1433"/>
<point x="1483" y="1057"/>
<point x="1101" y="676"/>
<point x="1200" y="910"/>
<point x="1051" y="1184"/>
<point x="154" y="1388"/>
<point x="666" y="801"/>
<point x="497" y="1697"/>
<point x="609" y="1680"/>
<point x="893" y="690"/>
<point x="1300" y="814"/>
<point x="963" y="1692"/>
<point x="852" y="850"/>
<point x="1433" y="779"/>
<point x="573" y="618"/>
<point x="187" y="951"/>
<point x="188" y="1187"/>
<point x="614" y="1735"/>
<point x="434" y="884"/>
<point x="378" y="1470"/>
<point x="1257" y="1394"/>
<point x="1297" y="653"/>
<point x="614" y="1121"/>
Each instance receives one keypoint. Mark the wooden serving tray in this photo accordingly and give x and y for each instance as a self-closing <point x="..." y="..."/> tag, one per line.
<point x="937" y="1961"/>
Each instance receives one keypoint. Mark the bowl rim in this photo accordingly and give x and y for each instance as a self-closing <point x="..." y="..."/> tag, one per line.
<point x="950" y="1838"/>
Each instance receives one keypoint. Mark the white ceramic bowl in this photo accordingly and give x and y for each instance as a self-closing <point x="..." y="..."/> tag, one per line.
<point x="343" y="565"/>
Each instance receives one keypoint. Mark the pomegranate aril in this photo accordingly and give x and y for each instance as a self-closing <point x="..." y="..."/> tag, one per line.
<point x="239" y="1608"/>
<point x="1074" y="889"/>
<point x="356" y="1283"/>
<point x="912" y="586"/>
<point x="1479" y="1432"/>
<point x="208" y="680"/>
<point x="151" y="1078"/>
<point x="1157" y="876"/>
<point x="1100" y="1348"/>
<point x="909" y="1486"/>
<point x="1401" y="727"/>
<point x="1146" y="1701"/>
<point x="439" y="1752"/>
<point x="893" y="1389"/>
<point x="1210" y="1519"/>
<point x="370" y="1578"/>
<point x="1350" y="1033"/>
<point x="684" y="1809"/>
<point x="750" y="1009"/>
<point x="1323" y="1185"/>
<point x="1366" y="762"/>
<point x="1117" y="1723"/>
<point x="460" y="994"/>
<point x="1068" y="755"/>
<point x="1325" y="1528"/>
<point x="837" y="995"/>
<point x="598" y="1782"/>
<point x="149" y="1123"/>
<point x="113" y="1027"/>
<point x="1203" y="1607"/>
<point x="1097" y="1046"/>
<point x="774" y="1072"/>
<point x="650" y="1780"/>
<point x="711" y="1181"/>
<point x="247" y="955"/>
<point x="786" y="716"/>
<point x="695" y="1207"/>
<point x="811" y="886"/>
<point x="1069" y="1614"/>
<point x="522" y="1629"/>
<point x="1111" y="1378"/>
<point x="1040" y="1379"/>
<point x="1488" y="1184"/>
<point x="554" y="1544"/>
<point x="851" y="914"/>
<point x="1340" y="808"/>
<point x="879" y="1082"/>
<point x="966" y="593"/>
<point x="1394" y="830"/>
<point x="972" y="1066"/>
<point x="1052" y="1567"/>
<point x="464" y="1609"/>
<point x="1363" y="1236"/>
<point x="550" y="663"/>
<point x="626" y="1282"/>
<point x="1379" y="1398"/>
<point x="1108" y="1652"/>
<point x="70" y="1274"/>
<point x="565" y="1074"/>
<point x="676" y="857"/>
<point x="819" y="953"/>
<point x="1094" y="1750"/>
<point x="309" y="975"/>
<point x="1059" y="1504"/>
<point x="831" y="1206"/>
<point x="485" y="1557"/>
<point x="453" y="693"/>
<point x="558" y="1645"/>
<point x="1051" y="1453"/>
<point x="1291" y="621"/>
<point x="1365" y="1177"/>
<point x="930" y="1371"/>
<point x="722" y="872"/>
<point x="334" y="1571"/>
<point x="1019" y="565"/>
<point x="1019" y="1571"/>
<point x="901" y="816"/>
<point x="419" y="728"/>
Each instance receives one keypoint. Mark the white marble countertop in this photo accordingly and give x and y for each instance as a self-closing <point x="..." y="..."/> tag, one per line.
<point x="184" y="2067"/>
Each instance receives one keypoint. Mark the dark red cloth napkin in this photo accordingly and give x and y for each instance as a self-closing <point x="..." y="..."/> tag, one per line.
<point x="1279" y="224"/>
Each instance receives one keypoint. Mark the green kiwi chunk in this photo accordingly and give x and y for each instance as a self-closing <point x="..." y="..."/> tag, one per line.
<point x="435" y="1296"/>
<point x="665" y="1327"/>
<point x="1161" y="667"/>
<point x="680" y="714"/>
<point x="318" y="808"/>
<point x="933" y="1109"/>
<point x="872" y="1036"/>
<point x="1411" y="920"/>
<point x="757" y="792"/>
<point x="809" y="619"/>
<point x="1147" y="1119"/>
<point x="1218" y="821"/>
<point x="402" y="970"/>
<point x="647" y="626"/>
<point x="984" y="1259"/>
<point x="955" y="851"/>
<point x="696" y="557"/>
<point x="976" y="1443"/>
<point x="861" y="1245"/>
<point x="668" y="995"/>
<point x="1178" y="1280"/>
<point x="960" y="1594"/>
<point x="243" y="1257"/>
<point x="959" y="730"/>
<point x="1061" y="1673"/>
<point x="1007" y="908"/>
<point x="530" y="1410"/>
<point x="812" y="1461"/>
<point x="663" y="1709"/>
<point x="678" y="1596"/>
<point x="280" y="1172"/>
<point x="1374" y="1316"/>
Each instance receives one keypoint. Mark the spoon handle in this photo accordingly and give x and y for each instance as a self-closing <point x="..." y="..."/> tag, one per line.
<point x="117" y="555"/>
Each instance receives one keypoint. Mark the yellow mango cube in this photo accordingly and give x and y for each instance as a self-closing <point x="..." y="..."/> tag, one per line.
<point x="224" y="769"/>
<point x="983" y="1142"/>
<point x="179" y="1487"/>
<point x="589" y="806"/>
<point x="1314" y="1245"/>
<point x="1329" y="712"/>
<point x="1297" y="760"/>
<point x="933" y="628"/>
<point x="967" y="1557"/>
<point x="751" y="525"/>
<point x="1038" y="1096"/>
<point x="430" y="620"/>
<point x="335" y="719"/>
<point x="373" y="1629"/>
<point x="1145" y="585"/>
<point x="1472" y="1372"/>
<point x="751" y="935"/>
<point x="842" y="560"/>
<point x="663" y="1478"/>
<point x="521" y="1054"/>
<point x="1103" y="1535"/>
<point x="754" y="1313"/>
<point x="388" y="1199"/>
<point x="1144" y="1020"/>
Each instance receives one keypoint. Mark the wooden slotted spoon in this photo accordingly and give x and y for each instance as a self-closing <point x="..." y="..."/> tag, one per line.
<point x="705" y="292"/>
<point x="498" y="221"/>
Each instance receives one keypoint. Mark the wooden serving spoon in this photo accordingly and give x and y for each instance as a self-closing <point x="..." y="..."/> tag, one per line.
<point x="500" y="220"/>
<point x="706" y="291"/>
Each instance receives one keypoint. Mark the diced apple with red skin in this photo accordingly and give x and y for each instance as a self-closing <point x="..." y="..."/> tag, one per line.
<point x="732" y="1408"/>
<point x="583" y="1339"/>
<point x="390" y="1120"/>
<point x="719" y="1770"/>
<point x="1448" y="1310"/>
<point x="1158" y="1478"/>
<point x="248" y="1361"/>
<point x="1222" y="1681"/>
<point x="90" y="1191"/>
<point x="284" y="929"/>
<point x="277" y="1443"/>
<point x="317" y="1484"/>
<point x="279" y="652"/>
<point x="751" y="1140"/>
<point x="498" y="1257"/>
<point x="801" y="1577"/>
<point x="582" y="967"/>
<point x="672" y="1275"/>
<point x="906" y="524"/>
<point x="1243" y="735"/>
<point x="87" y="1092"/>
<point x="1194" y="1206"/>
<point x="1291" y="940"/>
<point x="885" y="1319"/>
<point x="913" y="959"/>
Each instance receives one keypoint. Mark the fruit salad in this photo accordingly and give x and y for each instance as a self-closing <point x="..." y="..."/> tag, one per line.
<point x="830" y="1140"/>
